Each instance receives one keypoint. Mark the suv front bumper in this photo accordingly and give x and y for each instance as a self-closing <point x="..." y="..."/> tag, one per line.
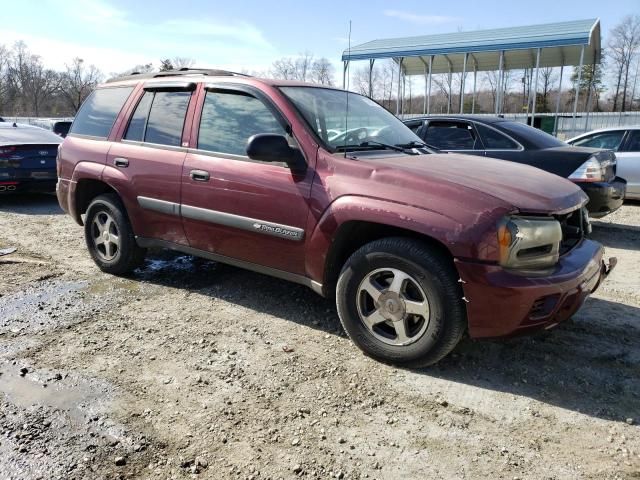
<point x="501" y="303"/>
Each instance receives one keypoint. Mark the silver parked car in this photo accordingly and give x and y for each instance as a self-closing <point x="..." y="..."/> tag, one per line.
<point x="625" y="141"/>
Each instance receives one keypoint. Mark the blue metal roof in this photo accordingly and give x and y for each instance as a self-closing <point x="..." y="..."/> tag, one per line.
<point x="566" y="37"/>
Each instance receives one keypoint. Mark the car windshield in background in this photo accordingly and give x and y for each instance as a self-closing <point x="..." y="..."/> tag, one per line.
<point x="367" y="124"/>
<point x="537" y="137"/>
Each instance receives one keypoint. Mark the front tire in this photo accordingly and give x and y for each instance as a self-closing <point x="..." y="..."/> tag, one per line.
<point x="109" y="236"/>
<point x="400" y="302"/>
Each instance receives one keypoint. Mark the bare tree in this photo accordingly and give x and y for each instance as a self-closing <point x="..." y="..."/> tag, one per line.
<point x="4" y="80"/>
<point x="30" y="79"/>
<point x="166" y="64"/>
<point x="78" y="82"/>
<point x="303" y="66"/>
<point x="284" y="69"/>
<point x="624" y="43"/>
<point x="547" y="77"/>
<point x="322" y="72"/>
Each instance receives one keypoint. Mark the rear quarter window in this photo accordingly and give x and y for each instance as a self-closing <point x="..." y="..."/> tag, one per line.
<point x="99" y="112"/>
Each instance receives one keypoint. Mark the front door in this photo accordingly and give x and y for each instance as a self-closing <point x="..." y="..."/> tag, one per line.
<point x="233" y="206"/>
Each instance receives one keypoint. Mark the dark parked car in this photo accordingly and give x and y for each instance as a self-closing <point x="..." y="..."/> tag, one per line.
<point x="27" y="158"/>
<point x="416" y="247"/>
<point x="592" y="169"/>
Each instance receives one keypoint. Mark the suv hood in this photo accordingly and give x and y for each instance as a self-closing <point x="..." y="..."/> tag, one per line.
<point x="525" y="188"/>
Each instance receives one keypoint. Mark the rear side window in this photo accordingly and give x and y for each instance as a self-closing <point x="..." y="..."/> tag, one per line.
<point x="159" y="118"/>
<point x="607" y="140"/>
<point x="229" y="119"/>
<point x="99" y="111"/>
<point x="494" y="140"/>
<point x="138" y="121"/>
<point x="452" y="136"/>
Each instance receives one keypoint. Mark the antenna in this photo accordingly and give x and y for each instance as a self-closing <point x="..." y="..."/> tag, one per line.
<point x="346" y="116"/>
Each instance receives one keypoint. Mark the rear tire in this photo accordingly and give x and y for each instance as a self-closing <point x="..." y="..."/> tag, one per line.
<point x="400" y="302"/>
<point x="109" y="236"/>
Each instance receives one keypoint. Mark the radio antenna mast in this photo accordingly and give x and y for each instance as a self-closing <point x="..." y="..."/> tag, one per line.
<point x="346" y="117"/>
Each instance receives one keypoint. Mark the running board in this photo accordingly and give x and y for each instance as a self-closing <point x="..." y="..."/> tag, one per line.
<point x="145" y="242"/>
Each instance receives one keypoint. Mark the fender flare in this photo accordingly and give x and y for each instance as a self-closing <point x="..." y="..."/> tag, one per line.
<point x="435" y="225"/>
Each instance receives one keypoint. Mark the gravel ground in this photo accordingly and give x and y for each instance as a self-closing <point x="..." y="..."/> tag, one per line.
<point x="193" y="369"/>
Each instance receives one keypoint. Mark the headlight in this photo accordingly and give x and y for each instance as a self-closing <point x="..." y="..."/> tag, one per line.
<point x="529" y="243"/>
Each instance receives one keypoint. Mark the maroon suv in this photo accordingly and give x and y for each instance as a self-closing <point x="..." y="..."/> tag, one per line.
<point x="326" y="188"/>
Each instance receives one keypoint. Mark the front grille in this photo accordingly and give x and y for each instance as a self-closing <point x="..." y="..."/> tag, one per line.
<point x="575" y="225"/>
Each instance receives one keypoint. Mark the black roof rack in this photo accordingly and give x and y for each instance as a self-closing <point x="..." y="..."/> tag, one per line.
<point x="179" y="72"/>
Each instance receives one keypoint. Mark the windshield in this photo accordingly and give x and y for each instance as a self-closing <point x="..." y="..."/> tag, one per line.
<point x="368" y="125"/>
<point x="532" y="135"/>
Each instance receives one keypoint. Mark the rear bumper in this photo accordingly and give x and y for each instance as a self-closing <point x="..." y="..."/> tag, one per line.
<point x="604" y="197"/>
<point x="501" y="303"/>
<point x="27" y="186"/>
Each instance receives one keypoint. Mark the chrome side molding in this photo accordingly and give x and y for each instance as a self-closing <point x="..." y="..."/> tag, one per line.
<point x="223" y="218"/>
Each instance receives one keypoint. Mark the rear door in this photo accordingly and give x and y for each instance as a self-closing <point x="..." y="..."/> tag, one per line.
<point x="453" y="136"/>
<point x="629" y="163"/>
<point x="233" y="206"/>
<point x="147" y="161"/>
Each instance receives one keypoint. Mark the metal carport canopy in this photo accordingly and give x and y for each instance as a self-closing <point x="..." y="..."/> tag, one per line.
<point x="560" y="44"/>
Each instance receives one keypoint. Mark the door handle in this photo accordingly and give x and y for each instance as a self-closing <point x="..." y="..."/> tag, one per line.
<point x="199" y="175"/>
<point x="121" y="162"/>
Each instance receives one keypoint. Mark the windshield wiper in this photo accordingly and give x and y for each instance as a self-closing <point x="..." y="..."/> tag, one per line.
<point x="397" y="148"/>
<point x="372" y="144"/>
<point x="414" y="144"/>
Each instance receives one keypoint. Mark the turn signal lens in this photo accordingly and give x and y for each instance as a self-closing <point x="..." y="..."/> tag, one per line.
<point x="504" y="236"/>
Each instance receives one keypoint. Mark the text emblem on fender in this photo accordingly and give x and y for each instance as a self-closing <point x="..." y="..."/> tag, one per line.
<point x="279" y="231"/>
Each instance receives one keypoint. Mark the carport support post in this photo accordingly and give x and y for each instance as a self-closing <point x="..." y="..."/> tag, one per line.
<point x="450" y="89"/>
<point x="399" y="85"/>
<point x="404" y="91"/>
<point x="464" y="74"/>
<point x="371" y="62"/>
<point x="475" y="77"/>
<point x="424" y="103"/>
<point x="535" y="88"/>
<point x="499" y="78"/>
<point x="555" y="124"/>
<point x="575" y="102"/>
<point x="429" y="86"/>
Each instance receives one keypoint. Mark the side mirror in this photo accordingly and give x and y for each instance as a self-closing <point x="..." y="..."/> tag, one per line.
<point x="269" y="147"/>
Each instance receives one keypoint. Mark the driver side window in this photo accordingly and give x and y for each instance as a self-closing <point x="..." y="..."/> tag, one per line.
<point x="452" y="136"/>
<point x="229" y="119"/>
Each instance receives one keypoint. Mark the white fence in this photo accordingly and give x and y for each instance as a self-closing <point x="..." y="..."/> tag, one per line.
<point x="583" y="122"/>
<point x="565" y="127"/>
<point x="35" y="120"/>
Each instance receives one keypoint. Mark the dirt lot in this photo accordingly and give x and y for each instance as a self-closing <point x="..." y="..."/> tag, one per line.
<point x="191" y="368"/>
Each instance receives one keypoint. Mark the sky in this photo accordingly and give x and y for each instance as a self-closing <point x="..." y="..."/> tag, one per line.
<point x="248" y="35"/>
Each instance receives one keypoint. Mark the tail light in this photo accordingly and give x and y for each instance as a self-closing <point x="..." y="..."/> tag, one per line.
<point x="6" y="151"/>
<point x="593" y="170"/>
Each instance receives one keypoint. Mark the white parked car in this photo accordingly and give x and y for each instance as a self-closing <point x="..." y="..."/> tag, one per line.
<point x="625" y="141"/>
